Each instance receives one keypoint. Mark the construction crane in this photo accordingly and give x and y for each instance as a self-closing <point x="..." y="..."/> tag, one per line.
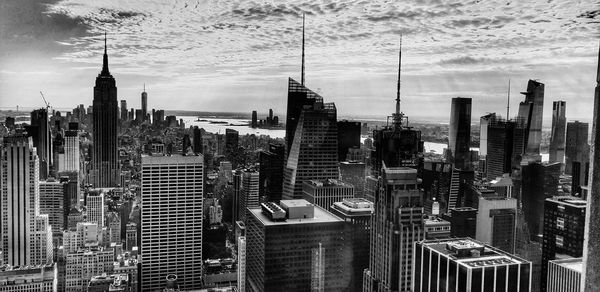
<point x="45" y="101"/>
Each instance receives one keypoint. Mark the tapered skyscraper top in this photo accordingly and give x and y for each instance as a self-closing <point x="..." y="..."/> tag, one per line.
<point x="105" y="71"/>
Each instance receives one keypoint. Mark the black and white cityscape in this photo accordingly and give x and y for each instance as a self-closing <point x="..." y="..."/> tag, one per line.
<point x="318" y="146"/>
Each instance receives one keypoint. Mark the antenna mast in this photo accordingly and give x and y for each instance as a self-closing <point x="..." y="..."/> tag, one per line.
<point x="508" y="102"/>
<point x="397" y="116"/>
<point x="302" y="77"/>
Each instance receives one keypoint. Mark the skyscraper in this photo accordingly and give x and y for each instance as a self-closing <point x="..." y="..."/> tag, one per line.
<point x="313" y="153"/>
<point x="539" y="182"/>
<point x="95" y="207"/>
<point x="271" y="172"/>
<point x="505" y="145"/>
<point x="42" y="139"/>
<point x="353" y="172"/>
<point x="564" y="224"/>
<point x="54" y="203"/>
<point x="144" y="104"/>
<point x="577" y="147"/>
<point x="254" y="119"/>
<point x="280" y="241"/>
<point x="197" y="140"/>
<point x="348" y="137"/>
<point x="496" y="222"/>
<point x="397" y="144"/>
<point x="104" y="133"/>
<point x="72" y="153"/>
<point x="531" y="110"/>
<point x="26" y="234"/>
<point x="171" y="219"/>
<point x="557" y="138"/>
<point x="590" y="278"/>
<point x="459" y="133"/>
<point x="231" y="145"/>
<point x="463" y="264"/>
<point x="123" y="110"/>
<point x="356" y="212"/>
<point x="248" y="192"/>
<point x="396" y="223"/>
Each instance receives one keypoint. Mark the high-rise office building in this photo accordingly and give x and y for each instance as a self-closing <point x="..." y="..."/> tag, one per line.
<point x="539" y="182"/>
<point x="231" y="145"/>
<point x="171" y="199"/>
<point x="496" y="222"/>
<point x="324" y="193"/>
<point x="241" y="263"/>
<point x="313" y="153"/>
<point x="591" y="246"/>
<point x="531" y="110"/>
<point x="558" y="134"/>
<point x="271" y="172"/>
<point x="564" y="225"/>
<point x="353" y="172"/>
<point x="459" y="133"/>
<point x="356" y="212"/>
<point x="123" y="110"/>
<point x="237" y="189"/>
<point x="248" y="192"/>
<point x="463" y="222"/>
<point x="55" y="204"/>
<point x="42" y="139"/>
<point x="254" y="119"/>
<point x="577" y="147"/>
<point x="437" y="178"/>
<point x="26" y="234"/>
<point x="72" y="153"/>
<point x="463" y="264"/>
<point x="95" y="207"/>
<point x="104" y="133"/>
<point x="564" y="275"/>
<point x="144" y="104"/>
<point x="397" y="222"/>
<point x="348" y="137"/>
<point x="280" y="240"/>
<point x="197" y="140"/>
<point x="298" y="97"/>
<point x="505" y="145"/>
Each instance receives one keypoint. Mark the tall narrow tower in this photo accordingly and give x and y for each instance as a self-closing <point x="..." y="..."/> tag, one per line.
<point x="591" y="245"/>
<point x="105" y="119"/>
<point x="559" y="128"/>
<point x="144" y="104"/>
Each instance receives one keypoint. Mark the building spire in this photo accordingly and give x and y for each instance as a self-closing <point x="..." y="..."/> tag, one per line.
<point x="302" y="77"/>
<point x="598" y="72"/>
<point x="398" y="115"/>
<point x="508" y="102"/>
<point x="105" y="71"/>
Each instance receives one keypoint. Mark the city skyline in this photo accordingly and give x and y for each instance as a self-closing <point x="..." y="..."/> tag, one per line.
<point x="464" y="49"/>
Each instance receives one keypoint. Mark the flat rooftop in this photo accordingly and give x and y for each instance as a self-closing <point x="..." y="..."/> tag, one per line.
<point x="320" y="216"/>
<point x="569" y="200"/>
<point x="171" y="159"/>
<point x="483" y="255"/>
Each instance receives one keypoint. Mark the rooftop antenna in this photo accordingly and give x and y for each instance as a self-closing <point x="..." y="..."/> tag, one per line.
<point x="508" y="102"/>
<point x="144" y="87"/>
<point x="397" y="117"/>
<point x="302" y="77"/>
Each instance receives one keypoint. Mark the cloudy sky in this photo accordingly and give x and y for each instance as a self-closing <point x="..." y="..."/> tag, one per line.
<point x="237" y="55"/>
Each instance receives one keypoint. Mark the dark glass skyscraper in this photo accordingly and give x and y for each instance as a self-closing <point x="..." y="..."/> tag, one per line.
<point x="557" y="138"/>
<point x="105" y="118"/>
<point x="459" y="133"/>
<point x="144" y="104"/>
<point x="577" y="148"/>
<point x="271" y="172"/>
<point x="298" y="97"/>
<point x="532" y="110"/>
<point x="348" y="137"/>
<point x="540" y="182"/>
<point x="39" y="131"/>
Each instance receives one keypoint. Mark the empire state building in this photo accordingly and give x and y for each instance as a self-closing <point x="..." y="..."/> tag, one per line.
<point x="105" y="168"/>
